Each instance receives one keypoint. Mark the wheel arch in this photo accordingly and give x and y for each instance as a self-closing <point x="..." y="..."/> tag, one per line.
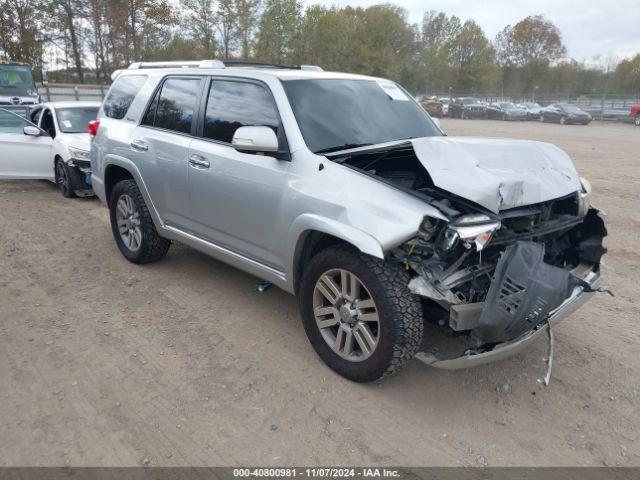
<point x="315" y="234"/>
<point x="118" y="169"/>
<point x="112" y="175"/>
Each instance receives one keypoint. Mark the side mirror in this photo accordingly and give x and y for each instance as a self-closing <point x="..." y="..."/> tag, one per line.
<point x="32" y="131"/>
<point x="255" y="140"/>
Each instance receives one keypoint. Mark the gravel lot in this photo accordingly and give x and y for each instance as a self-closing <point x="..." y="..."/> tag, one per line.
<point x="183" y="363"/>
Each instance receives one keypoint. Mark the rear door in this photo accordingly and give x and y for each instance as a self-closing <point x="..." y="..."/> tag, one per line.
<point x="23" y="156"/>
<point x="160" y="145"/>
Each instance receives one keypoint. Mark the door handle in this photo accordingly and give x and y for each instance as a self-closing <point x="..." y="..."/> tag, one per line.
<point x="198" y="161"/>
<point x="139" y="146"/>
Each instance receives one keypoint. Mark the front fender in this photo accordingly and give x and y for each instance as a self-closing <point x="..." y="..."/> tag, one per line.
<point x="306" y="223"/>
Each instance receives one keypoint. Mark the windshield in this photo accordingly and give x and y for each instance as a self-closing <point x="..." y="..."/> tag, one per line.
<point x="335" y="114"/>
<point x="17" y="80"/>
<point x="532" y="105"/>
<point x="75" y="120"/>
<point x="467" y="101"/>
<point x="507" y="105"/>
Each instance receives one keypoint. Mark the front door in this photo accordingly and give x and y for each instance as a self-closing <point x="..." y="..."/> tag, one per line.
<point x="23" y="156"/>
<point x="235" y="198"/>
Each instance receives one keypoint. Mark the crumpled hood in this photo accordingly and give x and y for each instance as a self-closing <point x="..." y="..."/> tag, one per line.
<point x="76" y="140"/>
<point x="498" y="173"/>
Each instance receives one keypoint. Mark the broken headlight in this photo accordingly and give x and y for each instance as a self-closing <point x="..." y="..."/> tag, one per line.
<point x="472" y="229"/>
<point x="79" y="154"/>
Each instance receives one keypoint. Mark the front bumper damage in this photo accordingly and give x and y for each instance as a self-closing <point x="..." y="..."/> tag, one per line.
<point x="527" y="293"/>
<point x="578" y="297"/>
<point x="83" y="186"/>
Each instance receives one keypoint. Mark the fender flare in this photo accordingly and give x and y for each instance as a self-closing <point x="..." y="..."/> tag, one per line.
<point x="131" y="167"/>
<point x="311" y="222"/>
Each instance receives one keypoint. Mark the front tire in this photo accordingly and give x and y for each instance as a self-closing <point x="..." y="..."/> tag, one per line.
<point x="66" y="178"/>
<point x="563" y="121"/>
<point x="132" y="225"/>
<point x="359" y="314"/>
<point x="637" y="120"/>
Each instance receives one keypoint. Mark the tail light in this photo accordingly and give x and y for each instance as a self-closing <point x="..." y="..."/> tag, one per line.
<point x="92" y="127"/>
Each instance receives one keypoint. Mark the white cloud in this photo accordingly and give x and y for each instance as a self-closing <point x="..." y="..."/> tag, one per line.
<point x="593" y="30"/>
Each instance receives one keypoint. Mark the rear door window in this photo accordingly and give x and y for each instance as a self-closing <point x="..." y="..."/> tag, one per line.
<point x="173" y="105"/>
<point x="121" y="95"/>
<point x="235" y="104"/>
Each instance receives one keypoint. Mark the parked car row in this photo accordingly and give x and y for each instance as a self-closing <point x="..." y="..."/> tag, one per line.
<point x="341" y="190"/>
<point x="471" y="107"/>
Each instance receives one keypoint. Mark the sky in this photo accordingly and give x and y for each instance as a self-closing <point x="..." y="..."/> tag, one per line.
<point x="598" y="32"/>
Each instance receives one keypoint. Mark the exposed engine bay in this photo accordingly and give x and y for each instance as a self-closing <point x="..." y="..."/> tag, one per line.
<point x="488" y="277"/>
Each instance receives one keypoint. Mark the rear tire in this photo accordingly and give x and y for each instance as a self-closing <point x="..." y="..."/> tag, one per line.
<point x="132" y="225"/>
<point x="391" y="313"/>
<point x="541" y="118"/>
<point x="563" y="121"/>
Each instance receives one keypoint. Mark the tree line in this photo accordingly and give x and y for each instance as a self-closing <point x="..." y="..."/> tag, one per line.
<point x="441" y="54"/>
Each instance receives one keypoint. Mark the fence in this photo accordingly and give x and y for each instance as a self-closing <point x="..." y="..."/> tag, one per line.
<point x="57" y="92"/>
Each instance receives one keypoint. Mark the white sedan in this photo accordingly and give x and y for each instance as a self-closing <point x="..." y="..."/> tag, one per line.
<point x="50" y="141"/>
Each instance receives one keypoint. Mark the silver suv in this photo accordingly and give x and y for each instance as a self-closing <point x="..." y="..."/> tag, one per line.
<point x="399" y="241"/>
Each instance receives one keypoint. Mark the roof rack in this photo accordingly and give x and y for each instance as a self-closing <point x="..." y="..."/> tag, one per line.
<point x="178" y="64"/>
<point x="218" y="64"/>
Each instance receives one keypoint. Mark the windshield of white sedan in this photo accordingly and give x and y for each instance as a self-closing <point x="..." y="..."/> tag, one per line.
<point x="336" y="114"/>
<point x="75" y="120"/>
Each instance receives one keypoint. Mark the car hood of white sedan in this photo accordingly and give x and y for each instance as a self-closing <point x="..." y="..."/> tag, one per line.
<point x="81" y="141"/>
<point x="498" y="173"/>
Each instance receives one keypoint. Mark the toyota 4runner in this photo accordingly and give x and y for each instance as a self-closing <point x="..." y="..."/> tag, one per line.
<point x="398" y="240"/>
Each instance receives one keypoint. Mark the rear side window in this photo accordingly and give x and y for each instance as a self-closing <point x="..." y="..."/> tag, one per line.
<point x="232" y="105"/>
<point x="121" y="95"/>
<point x="173" y="105"/>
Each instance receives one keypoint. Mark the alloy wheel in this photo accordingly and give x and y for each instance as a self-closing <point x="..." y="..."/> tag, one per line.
<point x="346" y="315"/>
<point x="62" y="179"/>
<point x="637" y="120"/>
<point x="128" y="219"/>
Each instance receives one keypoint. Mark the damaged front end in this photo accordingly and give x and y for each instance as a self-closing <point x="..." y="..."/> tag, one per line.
<point x="493" y="284"/>
<point x="491" y="281"/>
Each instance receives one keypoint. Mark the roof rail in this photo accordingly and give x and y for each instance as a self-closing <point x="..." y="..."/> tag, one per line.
<point x="178" y="64"/>
<point x="313" y="68"/>
<point x="218" y="64"/>
<point x="244" y="63"/>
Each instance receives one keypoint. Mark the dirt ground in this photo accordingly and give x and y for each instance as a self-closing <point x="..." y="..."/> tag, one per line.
<point x="183" y="362"/>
